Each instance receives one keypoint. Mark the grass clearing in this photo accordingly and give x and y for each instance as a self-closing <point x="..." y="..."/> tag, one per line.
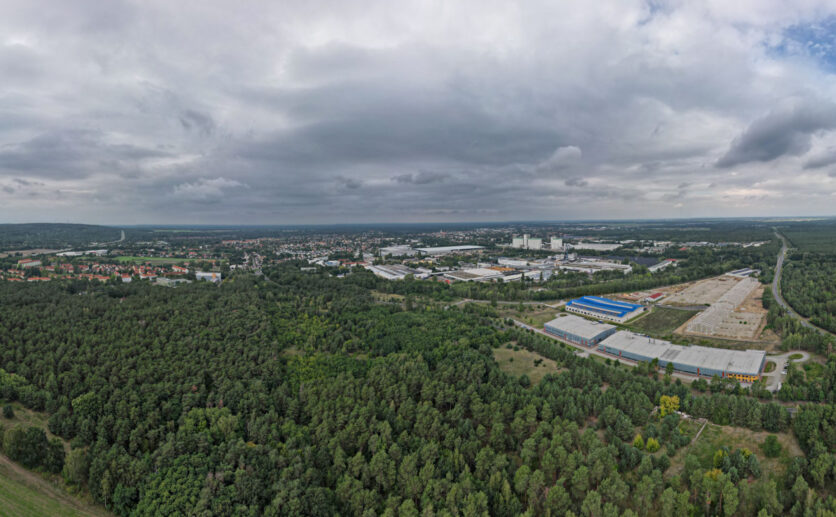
<point x="521" y="362"/>
<point x="387" y="297"/>
<point x="795" y="357"/>
<point x="661" y="321"/>
<point x="813" y="371"/>
<point x="770" y="367"/>
<point x="28" y="493"/>
<point x="714" y="437"/>
<point x="21" y="497"/>
<point x="27" y="417"/>
<point x="534" y="315"/>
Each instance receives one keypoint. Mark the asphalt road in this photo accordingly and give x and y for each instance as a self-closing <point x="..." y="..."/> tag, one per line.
<point x="774" y="378"/>
<point x="776" y="288"/>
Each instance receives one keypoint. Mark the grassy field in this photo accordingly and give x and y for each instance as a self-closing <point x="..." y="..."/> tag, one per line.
<point x="24" y="493"/>
<point x="521" y="362"/>
<point x="21" y="496"/>
<point x="661" y="321"/>
<point x="716" y="436"/>
<point x="770" y="367"/>
<point x="534" y="315"/>
<point x="152" y="260"/>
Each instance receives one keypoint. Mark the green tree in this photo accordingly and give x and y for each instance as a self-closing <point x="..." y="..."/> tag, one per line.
<point x="638" y="442"/>
<point x="771" y="447"/>
<point x="76" y="467"/>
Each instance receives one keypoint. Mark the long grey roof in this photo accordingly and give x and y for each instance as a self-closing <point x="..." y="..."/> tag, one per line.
<point x="578" y="326"/>
<point x="746" y="362"/>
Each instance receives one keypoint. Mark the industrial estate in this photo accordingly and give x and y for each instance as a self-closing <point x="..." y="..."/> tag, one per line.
<point x="745" y="366"/>
<point x="721" y="307"/>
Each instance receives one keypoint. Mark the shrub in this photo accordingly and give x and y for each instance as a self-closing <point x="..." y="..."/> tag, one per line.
<point x="638" y="442"/>
<point x="771" y="447"/>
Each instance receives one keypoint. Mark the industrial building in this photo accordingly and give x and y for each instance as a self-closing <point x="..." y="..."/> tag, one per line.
<point x="579" y="330"/>
<point x="401" y="250"/>
<point x="743" y="273"/>
<point x="556" y="244"/>
<point x="527" y="242"/>
<point x="604" y="308"/>
<point x="661" y="265"/>
<point x="502" y="261"/>
<point x="444" y="250"/>
<point x="210" y="276"/>
<point x="597" y="246"/>
<point x="476" y="274"/>
<point x="394" y="271"/>
<point x="590" y="265"/>
<point x="745" y="366"/>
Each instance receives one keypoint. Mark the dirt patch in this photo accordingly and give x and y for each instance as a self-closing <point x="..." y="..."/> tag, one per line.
<point x="703" y="292"/>
<point x="736" y="314"/>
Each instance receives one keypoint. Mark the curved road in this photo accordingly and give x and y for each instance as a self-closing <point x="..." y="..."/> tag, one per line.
<point x="774" y="378"/>
<point x="776" y="289"/>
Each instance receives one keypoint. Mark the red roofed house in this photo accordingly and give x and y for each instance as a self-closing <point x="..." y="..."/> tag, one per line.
<point x="28" y="263"/>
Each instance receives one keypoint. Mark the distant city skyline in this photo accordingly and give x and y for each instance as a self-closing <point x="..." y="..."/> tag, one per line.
<point x="417" y="112"/>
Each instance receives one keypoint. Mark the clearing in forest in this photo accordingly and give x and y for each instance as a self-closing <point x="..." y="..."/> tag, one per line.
<point x="26" y="493"/>
<point x="522" y="362"/>
<point x="714" y="437"/>
<point x="534" y="315"/>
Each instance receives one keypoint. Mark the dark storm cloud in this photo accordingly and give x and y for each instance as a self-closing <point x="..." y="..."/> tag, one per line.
<point x="352" y="122"/>
<point x="194" y="120"/>
<point x="823" y="159"/>
<point x="576" y="182"/>
<point x="788" y="130"/>
<point x="421" y="178"/>
<point x="68" y="154"/>
<point x="159" y="112"/>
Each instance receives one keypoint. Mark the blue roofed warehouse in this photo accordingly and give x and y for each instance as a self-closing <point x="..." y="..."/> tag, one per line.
<point x="604" y="308"/>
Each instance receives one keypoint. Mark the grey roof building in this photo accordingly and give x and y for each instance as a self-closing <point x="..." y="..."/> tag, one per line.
<point x="742" y="365"/>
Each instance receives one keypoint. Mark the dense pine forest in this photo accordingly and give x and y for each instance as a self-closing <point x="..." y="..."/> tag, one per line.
<point x="809" y="278"/>
<point x="48" y="235"/>
<point x="299" y="395"/>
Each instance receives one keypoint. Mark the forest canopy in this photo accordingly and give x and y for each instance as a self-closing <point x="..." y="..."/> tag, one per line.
<point x="300" y="395"/>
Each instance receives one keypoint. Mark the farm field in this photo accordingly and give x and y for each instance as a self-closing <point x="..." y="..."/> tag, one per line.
<point x="521" y="362"/>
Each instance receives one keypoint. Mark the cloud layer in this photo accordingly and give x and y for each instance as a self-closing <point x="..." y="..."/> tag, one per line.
<point x="320" y="112"/>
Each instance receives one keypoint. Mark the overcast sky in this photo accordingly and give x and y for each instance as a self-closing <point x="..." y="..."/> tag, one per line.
<point x="330" y="112"/>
